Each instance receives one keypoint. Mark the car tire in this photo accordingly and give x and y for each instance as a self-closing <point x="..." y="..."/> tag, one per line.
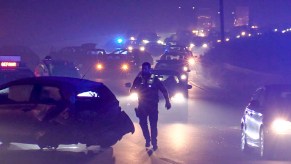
<point x="244" y="146"/>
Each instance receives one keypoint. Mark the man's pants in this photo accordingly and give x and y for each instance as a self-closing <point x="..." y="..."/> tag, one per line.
<point x="151" y="112"/>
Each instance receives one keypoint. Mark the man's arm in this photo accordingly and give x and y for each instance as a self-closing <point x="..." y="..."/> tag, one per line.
<point x="135" y="84"/>
<point x="164" y="91"/>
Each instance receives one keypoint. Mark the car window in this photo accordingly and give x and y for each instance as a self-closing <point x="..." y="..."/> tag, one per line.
<point x="20" y="93"/>
<point x="51" y="93"/>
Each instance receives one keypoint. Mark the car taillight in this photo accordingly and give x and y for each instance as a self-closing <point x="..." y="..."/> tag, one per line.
<point x="124" y="67"/>
<point x="99" y="66"/>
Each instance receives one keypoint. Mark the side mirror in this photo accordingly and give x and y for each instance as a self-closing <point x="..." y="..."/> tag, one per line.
<point x="254" y="104"/>
<point x="189" y="86"/>
<point x="128" y="85"/>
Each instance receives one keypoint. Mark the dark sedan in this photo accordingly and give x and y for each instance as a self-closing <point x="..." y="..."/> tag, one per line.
<point x="49" y="111"/>
<point x="266" y="122"/>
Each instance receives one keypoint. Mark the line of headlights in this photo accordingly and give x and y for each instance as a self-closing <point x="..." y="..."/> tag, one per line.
<point x="123" y="67"/>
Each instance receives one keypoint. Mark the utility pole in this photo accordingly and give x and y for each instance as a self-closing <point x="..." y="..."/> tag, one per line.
<point x="221" y="13"/>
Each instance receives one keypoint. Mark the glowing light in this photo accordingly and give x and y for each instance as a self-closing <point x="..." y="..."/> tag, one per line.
<point x="142" y="48"/>
<point x="284" y="31"/>
<point x="183" y="77"/>
<point x="191" y="46"/>
<point x="132" y="38"/>
<point x="205" y="45"/>
<point x="275" y="30"/>
<point x="124" y="67"/>
<point x="238" y="36"/>
<point x="133" y="96"/>
<point x="8" y="64"/>
<point x="160" y="42"/>
<point x="243" y="33"/>
<point x="119" y="40"/>
<point x="88" y="94"/>
<point x="130" y="48"/>
<point x="145" y="41"/>
<point x="227" y="39"/>
<point x="185" y="68"/>
<point x="250" y="34"/>
<point x="218" y="41"/>
<point x="281" y="126"/>
<point x="191" y="61"/>
<point x="99" y="66"/>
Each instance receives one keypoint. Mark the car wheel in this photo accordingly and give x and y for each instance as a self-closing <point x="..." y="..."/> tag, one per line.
<point x="244" y="145"/>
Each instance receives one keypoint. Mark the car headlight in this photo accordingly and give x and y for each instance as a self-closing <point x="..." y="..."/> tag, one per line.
<point x="142" y="48"/>
<point x="185" y="68"/>
<point x="281" y="126"/>
<point x="133" y="96"/>
<point x="178" y="97"/>
<point x="205" y="45"/>
<point x="124" y="67"/>
<point x="130" y="48"/>
<point x="191" y="61"/>
<point x="99" y="66"/>
<point x="183" y="77"/>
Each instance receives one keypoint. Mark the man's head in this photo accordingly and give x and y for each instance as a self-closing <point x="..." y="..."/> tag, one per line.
<point x="47" y="60"/>
<point x="146" y="69"/>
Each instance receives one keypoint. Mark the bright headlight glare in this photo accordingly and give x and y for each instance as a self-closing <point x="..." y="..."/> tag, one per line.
<point x="142" y="48"/>
<point x="130" y="48"/>
<point x="185" y="68"/>
<point x="204" y="45"/>
<point x="191" y="61"/>
<point x="133" y="96"/>
<point x="281" y="126"/>
<point x="178" y="97"/>
<point x="183" y="77"/>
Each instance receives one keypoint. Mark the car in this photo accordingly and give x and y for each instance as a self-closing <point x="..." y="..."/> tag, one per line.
<point x="136" y="55"/>
<point x="266" y="123"/>
<point x="174" y="64"/>
<point x="49" y="111"/>
<point x="175" y="82"/>
<point x="11" y="68"/>
<point x="65" y="68"/>
<point x="85" y="57"/>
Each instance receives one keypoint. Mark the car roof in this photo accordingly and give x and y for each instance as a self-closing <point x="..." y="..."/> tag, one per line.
<point x="63" y="82"/>
<point x="165" y="71"/>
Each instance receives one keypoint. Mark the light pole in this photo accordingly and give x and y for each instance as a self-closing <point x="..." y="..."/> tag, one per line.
<point x="221" y="13"/>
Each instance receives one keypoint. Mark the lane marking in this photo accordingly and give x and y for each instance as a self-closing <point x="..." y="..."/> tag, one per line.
<point x="197" y="86"/>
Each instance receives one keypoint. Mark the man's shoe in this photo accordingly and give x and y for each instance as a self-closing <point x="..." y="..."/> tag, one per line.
<point x="155" y="147"/>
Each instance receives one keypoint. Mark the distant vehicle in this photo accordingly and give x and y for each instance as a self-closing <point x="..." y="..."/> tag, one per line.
<point x="11" y="68"/>
<point x="136" y="56"/>
<point x="175" y="82"/>
<point x="65" y="69"/>
<point x="266" y="123"/>
<point x="27" y="55"/>
<point x="85" y="58"/>
<point x="49" y="111"/>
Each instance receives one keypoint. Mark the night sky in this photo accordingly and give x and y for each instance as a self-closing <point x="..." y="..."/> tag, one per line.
<point x="46" y="21"/>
